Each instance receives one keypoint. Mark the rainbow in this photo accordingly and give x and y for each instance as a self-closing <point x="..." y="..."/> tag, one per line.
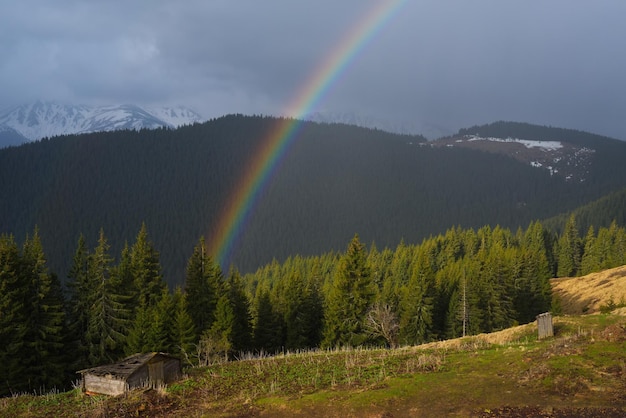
<point x="238" y="208"/>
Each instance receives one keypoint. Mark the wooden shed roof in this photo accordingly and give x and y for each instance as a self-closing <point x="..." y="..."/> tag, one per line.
<point x="126" y="367"/>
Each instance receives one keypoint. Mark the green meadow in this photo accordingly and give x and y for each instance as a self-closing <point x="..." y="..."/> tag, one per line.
<point x="579" y="371"/>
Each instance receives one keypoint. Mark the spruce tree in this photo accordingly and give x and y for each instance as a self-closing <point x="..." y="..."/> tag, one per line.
<point x="159" y="335"/>
<point x="267" y="330"/>
<point x="592" y="255"/>
<point x="107" y="323"/>
<point x="13" y="317"/>
<point x="42" y="352"/>
<point x="350" y="298"/>
<point x="570" y="249"/>
<point x="416" y="303"/>
<point x="137" y="340"/>
<point x="123" y="279"/>
<point x="241" y="336"/>
<point x="146" y="269"/>
<point x="219" y="336"/>
<point x="79" y="304"/>
<point x="203" y="286"/>
<point x="182" y="332"/>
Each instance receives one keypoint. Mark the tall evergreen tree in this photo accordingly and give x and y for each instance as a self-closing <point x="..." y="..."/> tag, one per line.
<point x="13" y="317"/>
<point x="570" y="249"/>
<point x="159" y="337"/>
<point x="241" y="337"/>
<point x="79" y="304"/>
<point x="203" y="285"/>
<point x="416" y="304"/>
<point x="592" y="254"/>
<point x="220" y="334"/>
<point x="42" y="353"/>
<point x="183" y="335"/>
<point x="146" y="269"/>
<point x="108" y="317"/>
<point x="123" y="279"/>
<point x="351" y="296"/>
<point x="268" y="325"/>
<point x="137" y="340"/>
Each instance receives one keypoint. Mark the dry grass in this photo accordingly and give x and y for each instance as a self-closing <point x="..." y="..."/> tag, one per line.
<point x="587" y="294"/>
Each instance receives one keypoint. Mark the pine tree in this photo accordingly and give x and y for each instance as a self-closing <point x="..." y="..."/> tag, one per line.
<point x="183" y="335"/>
<point x="79" y="304"/>
<point x="146" y="269"/>
<point x="219" y="336"/>
<point x="137" y="340"/>
<point x="42" y="354"/>
<point x="13" y="317"/>
<point x="203" y="285"/>
<point x="570" y="250"/>
<point x="241" y="336"/>
<point x="351" y="297"/>
<point x="592" y="254"/>
<point x="124" y="282"/>
<point x="416" y="304"/>
<point x="159" y="335"/>
<point x="267" y="330"/>
<point x="107" y="322"/>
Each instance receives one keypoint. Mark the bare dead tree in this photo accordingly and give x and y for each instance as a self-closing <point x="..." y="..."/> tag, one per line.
<point x="382" y="321"/>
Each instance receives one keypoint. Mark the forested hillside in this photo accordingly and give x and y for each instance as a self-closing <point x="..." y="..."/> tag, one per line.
<point x="334" y="181"/>
<point x="599" y="213"/>
<point x="459" y="283"/>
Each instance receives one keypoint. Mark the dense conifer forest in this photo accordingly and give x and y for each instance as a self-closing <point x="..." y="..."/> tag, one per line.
<point x="103" y="247"/>
<point x="334" y="180"/>
<point x="462" y="282"/>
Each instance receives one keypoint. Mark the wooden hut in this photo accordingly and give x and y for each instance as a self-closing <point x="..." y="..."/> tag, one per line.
<point x="136" y="371"/>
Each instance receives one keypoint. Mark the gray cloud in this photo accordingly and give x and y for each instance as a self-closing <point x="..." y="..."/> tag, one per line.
<point x="449" y="64"/>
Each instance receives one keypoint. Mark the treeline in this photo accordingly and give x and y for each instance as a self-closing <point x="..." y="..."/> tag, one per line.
<point x="459" y="283"/>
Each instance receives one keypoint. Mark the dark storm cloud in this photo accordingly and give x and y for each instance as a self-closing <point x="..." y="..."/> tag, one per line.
<point x="447" y="64"/>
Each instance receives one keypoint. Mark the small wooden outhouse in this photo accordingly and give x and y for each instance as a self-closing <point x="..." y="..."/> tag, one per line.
<point x="544" y="325"/>
<point x="137" y="371"/>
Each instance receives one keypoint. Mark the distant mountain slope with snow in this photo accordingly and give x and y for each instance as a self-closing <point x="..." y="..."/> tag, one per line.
<point x="46" y="119"/>
<point x="570" y="154"/>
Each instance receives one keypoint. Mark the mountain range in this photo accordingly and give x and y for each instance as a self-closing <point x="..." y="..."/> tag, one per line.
<point x="335" y="180"/>
<point x="42" y="119"/>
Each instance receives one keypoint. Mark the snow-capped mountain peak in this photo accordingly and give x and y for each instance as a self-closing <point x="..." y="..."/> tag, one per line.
<point x="45" y="119"/>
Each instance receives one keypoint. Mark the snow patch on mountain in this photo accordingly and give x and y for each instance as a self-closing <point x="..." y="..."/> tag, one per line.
<point x="543" y="145"/>
<point x="46" y="119"/>
<point x="175" y="116"/>
<point x="560" y="158"/>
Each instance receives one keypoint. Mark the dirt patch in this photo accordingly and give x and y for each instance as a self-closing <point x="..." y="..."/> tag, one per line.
<point x="614" y="333"/>
<point x="587" y="294"/>
<point x="533" y="411"/>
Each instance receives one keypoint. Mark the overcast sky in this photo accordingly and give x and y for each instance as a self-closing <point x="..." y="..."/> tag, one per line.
<point x="438" y="65"/>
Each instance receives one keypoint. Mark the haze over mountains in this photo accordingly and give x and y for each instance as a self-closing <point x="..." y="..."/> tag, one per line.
<point x="430" y="131"/>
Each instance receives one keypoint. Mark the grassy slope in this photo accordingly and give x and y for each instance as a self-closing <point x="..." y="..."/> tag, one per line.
<point x="582" y="371"/>
<point x="588" y="294"/>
